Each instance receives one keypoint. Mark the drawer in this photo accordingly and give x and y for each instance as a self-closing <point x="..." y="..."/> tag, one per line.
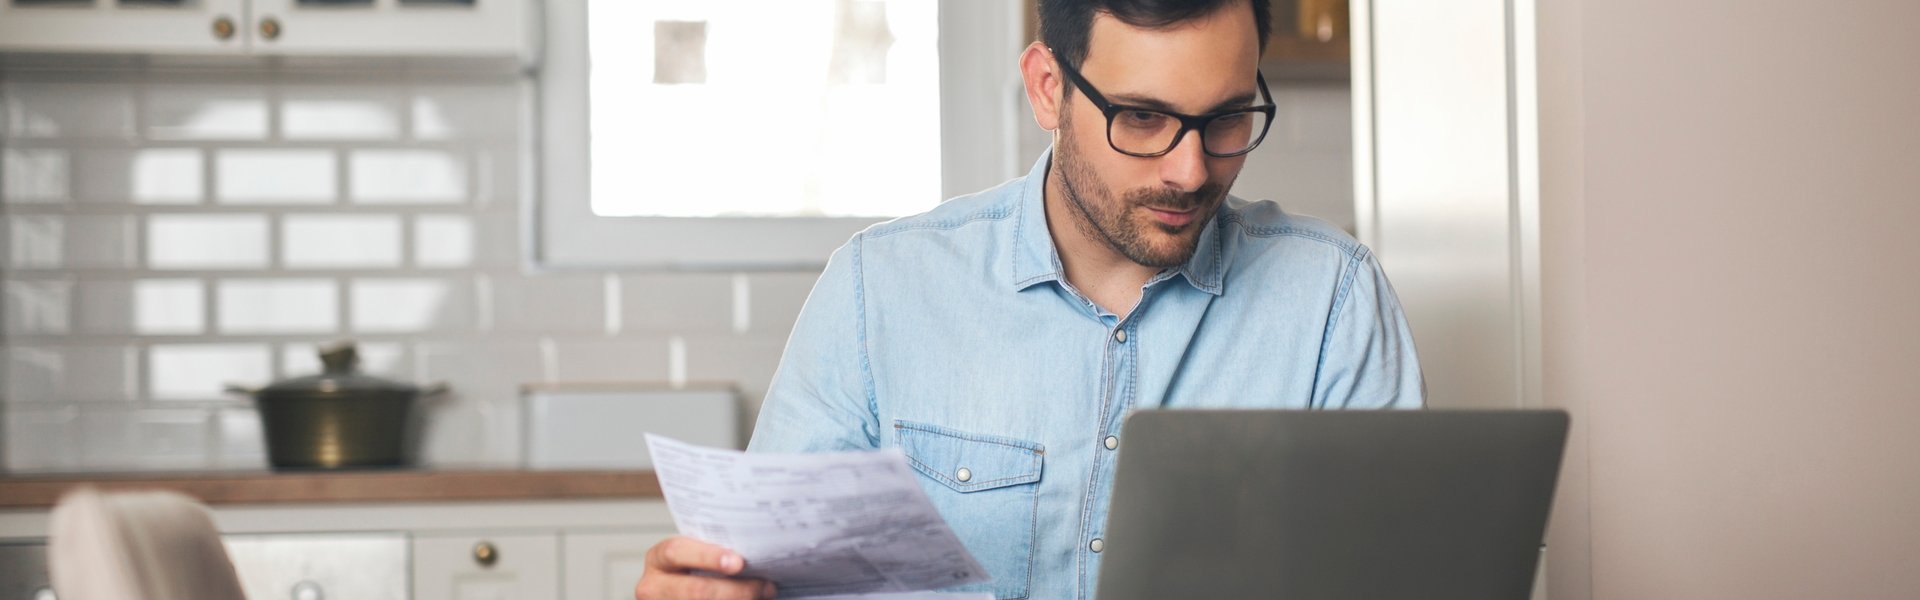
<point x="360" y="566"/>
<point x="486" y="566"/>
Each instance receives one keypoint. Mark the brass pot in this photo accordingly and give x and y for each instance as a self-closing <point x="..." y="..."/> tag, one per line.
<point x="339" y="418"/>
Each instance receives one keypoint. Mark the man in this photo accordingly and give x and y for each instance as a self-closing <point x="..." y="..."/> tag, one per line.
<point x="1000" y="339"/>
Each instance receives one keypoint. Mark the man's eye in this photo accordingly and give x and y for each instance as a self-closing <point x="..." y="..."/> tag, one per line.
<point x="1229" y="120"/>
<point x="1141" y="119"/>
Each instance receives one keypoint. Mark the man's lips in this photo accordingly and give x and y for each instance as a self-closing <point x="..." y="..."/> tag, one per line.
<point x="1174" y="218"/>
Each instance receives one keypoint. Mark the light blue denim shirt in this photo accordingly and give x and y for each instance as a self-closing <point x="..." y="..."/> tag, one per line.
<point x="954" y="336"/>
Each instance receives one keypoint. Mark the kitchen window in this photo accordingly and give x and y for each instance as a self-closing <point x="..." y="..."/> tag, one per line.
<point x="760" y="135"/>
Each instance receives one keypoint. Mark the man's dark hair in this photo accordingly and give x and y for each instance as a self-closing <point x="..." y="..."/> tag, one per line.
<point x="1066" y="26"/>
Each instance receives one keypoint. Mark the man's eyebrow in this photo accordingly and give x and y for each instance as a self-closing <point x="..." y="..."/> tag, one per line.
<point x="1240" y="101"/>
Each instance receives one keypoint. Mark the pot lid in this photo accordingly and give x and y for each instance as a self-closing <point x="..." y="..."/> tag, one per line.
<point x="340" y="375"/>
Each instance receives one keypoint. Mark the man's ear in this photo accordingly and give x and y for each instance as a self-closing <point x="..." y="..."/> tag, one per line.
<point x="1043" y="85"/>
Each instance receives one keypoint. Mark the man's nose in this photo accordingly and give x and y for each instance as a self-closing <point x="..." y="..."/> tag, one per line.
<point x="1184" y="168"/>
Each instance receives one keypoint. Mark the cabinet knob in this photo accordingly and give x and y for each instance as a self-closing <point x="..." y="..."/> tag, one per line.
<point x="485" y="554"/>
<point x="223" y="28"/>
<point x="270" y="28"/>
<point x="308" y="590"/>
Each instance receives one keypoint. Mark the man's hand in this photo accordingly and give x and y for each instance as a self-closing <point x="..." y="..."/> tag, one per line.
<point x="670" y="567"/>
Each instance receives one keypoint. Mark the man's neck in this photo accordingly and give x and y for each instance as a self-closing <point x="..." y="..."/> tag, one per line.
<point x="1104" y="275"/>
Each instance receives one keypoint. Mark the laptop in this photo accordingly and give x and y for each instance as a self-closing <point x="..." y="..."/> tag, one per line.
<point x="1434" y="504"/>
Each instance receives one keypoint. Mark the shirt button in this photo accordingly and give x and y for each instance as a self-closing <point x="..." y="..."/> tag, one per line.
<point x="1120" y="335"/>
<point x="963" y="475"/>
<point x="1113" y="442"/>
<point x="1097" y="545"/>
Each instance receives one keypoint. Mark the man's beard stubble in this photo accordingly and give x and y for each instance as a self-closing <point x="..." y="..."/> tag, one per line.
<point x="1113" y="222"/>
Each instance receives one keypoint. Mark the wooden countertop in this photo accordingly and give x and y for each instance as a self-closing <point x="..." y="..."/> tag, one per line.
<point x="396" y="485"/>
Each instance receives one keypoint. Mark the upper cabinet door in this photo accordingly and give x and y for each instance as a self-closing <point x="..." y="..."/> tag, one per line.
<point x="124" y="26"/>
<point x="414" y="28"/>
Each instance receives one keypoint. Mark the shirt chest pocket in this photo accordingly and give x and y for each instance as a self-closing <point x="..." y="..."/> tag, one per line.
<point x="986" y="488"/>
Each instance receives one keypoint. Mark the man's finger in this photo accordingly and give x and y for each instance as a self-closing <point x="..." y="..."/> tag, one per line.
<point x="681" y="553"/>
<point x="695" y="587"/>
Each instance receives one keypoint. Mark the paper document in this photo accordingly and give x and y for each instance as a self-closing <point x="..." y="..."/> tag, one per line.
<point x="815" y="524"/>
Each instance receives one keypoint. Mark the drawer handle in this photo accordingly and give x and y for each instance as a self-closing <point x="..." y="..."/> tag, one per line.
<point x="485" y="554"/>
<point x="270" y="28"/>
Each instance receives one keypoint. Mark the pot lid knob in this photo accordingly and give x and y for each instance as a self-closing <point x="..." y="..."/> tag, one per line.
<point x="339" y="357"/>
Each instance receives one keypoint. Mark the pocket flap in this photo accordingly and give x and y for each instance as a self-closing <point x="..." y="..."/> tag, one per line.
<point x="984" y="461"/>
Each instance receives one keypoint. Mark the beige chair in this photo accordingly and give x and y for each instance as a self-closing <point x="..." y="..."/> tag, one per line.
<point x="137" y="546"/>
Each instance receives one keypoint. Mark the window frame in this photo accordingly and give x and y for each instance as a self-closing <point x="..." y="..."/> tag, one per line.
<point x="983" y="107"/>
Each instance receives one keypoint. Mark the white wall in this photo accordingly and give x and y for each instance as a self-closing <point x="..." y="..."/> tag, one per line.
<point x="1727" y="219"/>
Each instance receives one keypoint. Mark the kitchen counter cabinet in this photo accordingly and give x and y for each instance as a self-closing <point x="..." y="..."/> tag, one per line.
<point x="398" y="485"/>
<point x="487" y="29"/>
<point x="573" y="549"/>
<point x="485" y="567"/>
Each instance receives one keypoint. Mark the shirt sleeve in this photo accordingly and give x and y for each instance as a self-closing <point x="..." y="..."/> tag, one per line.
<point x="821" y="398"/>
<point x="1367" y="358"/>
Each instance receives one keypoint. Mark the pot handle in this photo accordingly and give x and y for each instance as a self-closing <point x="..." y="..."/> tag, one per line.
<point x="435" y="389"/>
<point x="235" y="388"/>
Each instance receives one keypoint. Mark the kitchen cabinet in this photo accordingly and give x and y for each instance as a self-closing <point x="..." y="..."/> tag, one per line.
<point x="392" y="28"/>
<point x="316" y="566"/>
<point x="271" y="28"/>
<point x="122" y="26"/>
<point x="486" y="567"/>
<point x="605" y="566"/>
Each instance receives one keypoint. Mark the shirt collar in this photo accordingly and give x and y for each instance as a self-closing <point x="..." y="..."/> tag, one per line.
<point x="1037" y="260"/>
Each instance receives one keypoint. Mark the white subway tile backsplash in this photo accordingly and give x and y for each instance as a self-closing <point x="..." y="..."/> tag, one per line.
<point x="340" y="113"/>
<point x="202" y="371"/>
<point x="340" y="241"/>
<point x="40" y="439"/>
<point x="472" y="430"/>
<point x="102" y="241"/>
<point x="70" y="241"/>
<point x="206" y="112"/>
<point x="775" y="300"/>
<point x="70" y="373"/>
<point x="37" y="307"/>
<point x="36" y="241"/>
<point x="66" y="110"/>
<point x="290" y="306"/>
<point x="443" y="240"/>
<point x="676" y="303"/>
<point x="390" y="176"/>
<point x="35" y="374"/>
<point x="194" y="241"/>
<point x="141" y="153"/>
<point x="32" y="176"/>
<point x="122" y="438"/>
<point x="479" y="422"/>
<point x="169" y="306"/>
<point x="240" y="440"/>
<point x="748" y="362"/>
<point x="611" y="360"/>
<point x="466" y="112"/>
<point x="410" y="305"/>
<point x="275" y="176"/>
<point x="549" y="304"/>
<point x="497" y="239"/>
<point x="498" y="180"/>
<point x="145" y="176"/>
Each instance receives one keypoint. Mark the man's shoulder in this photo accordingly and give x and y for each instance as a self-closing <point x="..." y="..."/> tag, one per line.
<point x="991" y="205"/>
<point x="1259" y="227"/>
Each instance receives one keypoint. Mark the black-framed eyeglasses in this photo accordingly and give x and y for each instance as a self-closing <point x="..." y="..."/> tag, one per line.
<point x="1150" y="132"/>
